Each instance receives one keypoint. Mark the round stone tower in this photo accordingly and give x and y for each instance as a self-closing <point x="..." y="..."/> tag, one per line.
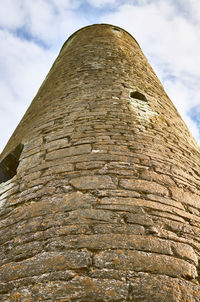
<point x="99" y="193"/>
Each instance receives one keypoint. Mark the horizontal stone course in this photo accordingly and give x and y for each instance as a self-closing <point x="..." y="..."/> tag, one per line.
<point x="145" y="262"/>
<point x="57" y="144"/>
<point x="129" y="204"/>
<point x="167" y="201"/>
<point x="81" y="288"/>
<point x="185" y="197"/>
<point x="45" y="262"/>
<point x="167" y="289"/>
<point x="65" y="167"/>
<point x="93" y="182"/>
<point x="129" y="242"/>
<point x="144" y="186"/>
<point x="76" y="150"/>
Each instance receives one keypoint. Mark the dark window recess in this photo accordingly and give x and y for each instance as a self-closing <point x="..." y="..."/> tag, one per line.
<point x="115" y="28"/>
<point x="138" y="95"/>
<point x="8" y="166"/>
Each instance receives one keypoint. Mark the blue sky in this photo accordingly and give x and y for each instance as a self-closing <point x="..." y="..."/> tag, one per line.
<point x="33" y="31"/>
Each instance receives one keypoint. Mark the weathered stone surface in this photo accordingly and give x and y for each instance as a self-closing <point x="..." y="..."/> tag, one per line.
<point x="78" y="289"/>
<point x="44" y="263"/>
<point x="167" y="201"/>
<point x="60" y="153"/>
<point x="160" y="178"/>
<point x="144" y="186"/>
<point x="129" y="204"/>
<point x="92" y="182"/>
<point x="105" y="202"/>
<point x="145" y="262"/>
<point x="59" y="169"/>
<point x="184" y="251"/>
<point x="185" y="197"/>
<point x="142" y="288"/>
<point x="89" y="165"/>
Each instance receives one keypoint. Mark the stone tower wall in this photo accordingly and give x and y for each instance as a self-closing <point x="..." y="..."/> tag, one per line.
<point x="105" y="203"/>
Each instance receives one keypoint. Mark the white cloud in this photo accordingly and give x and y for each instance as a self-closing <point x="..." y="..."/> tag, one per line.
<point x="50" y="21"/>
<point x="24" y="66"/>
<point x="24" y="60"/>
<point x="40" y="18"/>
<point x="101" y="3"/>
<point x="45" y="20"/>
<point x="11" y="14"/>
<point x="20" y="60"/>
<point x="191" y="9"/>
<point x="66" y="4"/>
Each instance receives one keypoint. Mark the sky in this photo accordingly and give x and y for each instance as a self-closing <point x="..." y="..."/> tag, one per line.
<point x="33" y="31"/>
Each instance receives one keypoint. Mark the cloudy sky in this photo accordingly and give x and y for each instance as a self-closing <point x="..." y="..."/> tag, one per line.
<point x="33" y="31"/>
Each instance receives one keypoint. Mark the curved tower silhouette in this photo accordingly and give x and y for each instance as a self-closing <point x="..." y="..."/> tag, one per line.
<point x="100" y="197"/>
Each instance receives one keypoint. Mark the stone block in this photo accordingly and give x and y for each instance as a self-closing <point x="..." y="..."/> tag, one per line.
<point x="70" y="151"/>
<point x="185" y="197"/>
<point x="43" y="263"/>
<point x="93" y="182"/>
<point x="144" y="186"/>
<point x="157" y="288"/>
<point x="145" y="262"/>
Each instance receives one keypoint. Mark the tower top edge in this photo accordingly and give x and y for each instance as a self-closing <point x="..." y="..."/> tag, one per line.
<point x="16" y="138"/>
<point x="105" y="25"/>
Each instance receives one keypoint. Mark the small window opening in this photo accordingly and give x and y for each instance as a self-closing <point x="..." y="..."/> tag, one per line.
<point x="115" y="28"/>
<point x="138" y="95"/>
<point x="8" y="166"/>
